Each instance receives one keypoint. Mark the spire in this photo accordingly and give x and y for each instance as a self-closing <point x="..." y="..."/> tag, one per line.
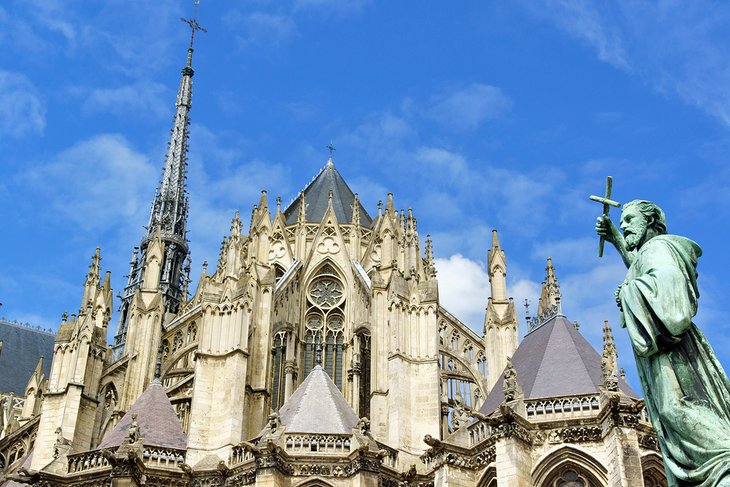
<point x="302" y="215"/>
<point x="430" y="262"/>
<point x="170" y="206"/>
<point x="609" y="360"/>
<point x="92" y="278"/>
<point x="389" y="206"/>
<point x="497" y="268"/>
<point x="169" y="212"/>
<point x="235" y="225"/>
<point x="550" y="295"/>
<point x="356" y="211"/>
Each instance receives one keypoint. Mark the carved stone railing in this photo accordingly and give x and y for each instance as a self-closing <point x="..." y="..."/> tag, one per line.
<point x="478" y="432"/>
<point x="240" y="455"/>
<point x="566" y="407"/>
<point x="304" y="443"/>
<point x="152" y="456"/>
<point x="160" y="457"/>
<point x="83" y="462"/>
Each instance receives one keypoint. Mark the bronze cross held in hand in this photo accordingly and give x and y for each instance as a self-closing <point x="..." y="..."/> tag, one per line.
<point x="607" y="204"/>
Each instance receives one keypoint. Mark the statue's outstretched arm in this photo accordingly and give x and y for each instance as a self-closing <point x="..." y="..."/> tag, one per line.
<point x="606" y="229"/>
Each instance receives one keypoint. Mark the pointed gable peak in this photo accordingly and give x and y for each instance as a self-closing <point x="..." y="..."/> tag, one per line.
<point x="318" y="406"/>
<point x="317" y="195"/>
<point x="158" y="424"/>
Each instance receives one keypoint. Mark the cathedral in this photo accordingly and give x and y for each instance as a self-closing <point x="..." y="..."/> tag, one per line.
<point x="315" y="352"/>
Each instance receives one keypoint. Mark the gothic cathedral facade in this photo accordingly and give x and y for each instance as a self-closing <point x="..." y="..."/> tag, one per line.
<point x="315" y="352"/>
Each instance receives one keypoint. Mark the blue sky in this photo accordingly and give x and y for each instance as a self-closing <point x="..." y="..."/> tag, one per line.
<point x="479" y="115"/>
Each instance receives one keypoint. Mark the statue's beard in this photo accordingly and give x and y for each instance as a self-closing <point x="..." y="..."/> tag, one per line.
<point x="634" y="236"/>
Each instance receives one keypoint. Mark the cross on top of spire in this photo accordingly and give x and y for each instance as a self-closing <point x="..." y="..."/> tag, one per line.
<point x="332" y="149"/>
<point x="193" y="24"/>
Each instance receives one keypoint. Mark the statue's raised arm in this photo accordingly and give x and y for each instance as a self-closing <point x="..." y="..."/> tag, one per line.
<point x="686" y="391"/>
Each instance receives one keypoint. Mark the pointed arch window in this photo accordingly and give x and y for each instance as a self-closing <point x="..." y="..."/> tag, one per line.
<point x="482" y="364"/>
<point x="325" y="323"/>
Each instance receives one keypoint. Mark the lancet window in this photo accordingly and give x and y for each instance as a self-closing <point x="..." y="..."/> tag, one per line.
<point x="277" y="370"/>
<point x="324" y="323"/>
<point x="482" y="364"/>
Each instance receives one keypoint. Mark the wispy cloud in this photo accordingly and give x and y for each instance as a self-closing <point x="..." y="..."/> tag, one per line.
<point x="21" y="110"/>
<point x="97" y="184"/>
<point x="468" y="107"/>
<point x="140" y="99"/>
<point x="678" y="48"/>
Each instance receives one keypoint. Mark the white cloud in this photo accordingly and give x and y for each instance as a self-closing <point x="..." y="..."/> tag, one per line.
<point x="464" y="289"/>
<point x="468" y="107"/>
<point x="99" y="183"/>
<point x="136" y="99"/>
<point x="21" y="109"/>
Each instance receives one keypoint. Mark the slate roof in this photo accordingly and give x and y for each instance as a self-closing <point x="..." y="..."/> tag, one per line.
<point x="316" y="197"/>
<point x="555" y="360"/>
<point x="158" y="423"/>
<point x="317" y="406"/>
<point x="22" y="348"/>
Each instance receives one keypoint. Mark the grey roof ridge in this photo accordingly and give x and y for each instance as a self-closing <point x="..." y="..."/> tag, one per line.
<point x="543" y="345"/>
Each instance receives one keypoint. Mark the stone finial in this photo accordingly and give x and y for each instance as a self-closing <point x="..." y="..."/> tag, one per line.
<point x="301" y="217"/>
<point x="511" y="387"/>
<point x="550" y="295"/>
<point x="356" y="210"/>
<point x="429" y="260"/>
<point x="223" y="254"/>
<point x="609" y="360"/>
<point x="235" y="225"/>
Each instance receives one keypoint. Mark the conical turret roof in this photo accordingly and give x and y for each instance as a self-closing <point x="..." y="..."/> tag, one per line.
<point x="316" y="197"/>
<point x="554" y="360"/>
<point x="317" y="406"/>
<point x="158" y="423"/>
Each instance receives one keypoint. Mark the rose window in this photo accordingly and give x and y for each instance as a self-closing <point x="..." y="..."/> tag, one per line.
<point x="326" y="293"/>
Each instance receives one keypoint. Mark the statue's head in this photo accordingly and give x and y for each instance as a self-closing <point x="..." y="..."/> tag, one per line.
<point x="641" y="220"/>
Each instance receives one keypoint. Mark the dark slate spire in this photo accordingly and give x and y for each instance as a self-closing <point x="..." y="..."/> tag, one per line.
<point x="169" y="213"/>
<point x="317" y="197"/>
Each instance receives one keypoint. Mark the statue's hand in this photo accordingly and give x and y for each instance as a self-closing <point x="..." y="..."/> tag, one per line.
<point x="606" y="229"/>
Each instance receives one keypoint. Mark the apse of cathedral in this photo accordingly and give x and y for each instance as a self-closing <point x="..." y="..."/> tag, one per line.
<point x="315" y="352"/>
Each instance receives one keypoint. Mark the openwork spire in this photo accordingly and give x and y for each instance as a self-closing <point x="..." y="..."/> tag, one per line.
<point x="549" y="304"/>
<point x="170" y="206"/>
<point x="550" y="295"/>
<point x="609" y="360"/>
<point x="169" y="212"/>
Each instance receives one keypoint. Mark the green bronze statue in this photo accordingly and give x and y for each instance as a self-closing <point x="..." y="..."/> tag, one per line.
<point x="686" y="391"/>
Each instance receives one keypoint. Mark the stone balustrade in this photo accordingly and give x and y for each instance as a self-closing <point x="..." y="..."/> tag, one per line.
<point x="562" y="408"/>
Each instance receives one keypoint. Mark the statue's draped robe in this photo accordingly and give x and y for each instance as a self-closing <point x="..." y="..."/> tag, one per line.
<point x="687" y="393"/>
